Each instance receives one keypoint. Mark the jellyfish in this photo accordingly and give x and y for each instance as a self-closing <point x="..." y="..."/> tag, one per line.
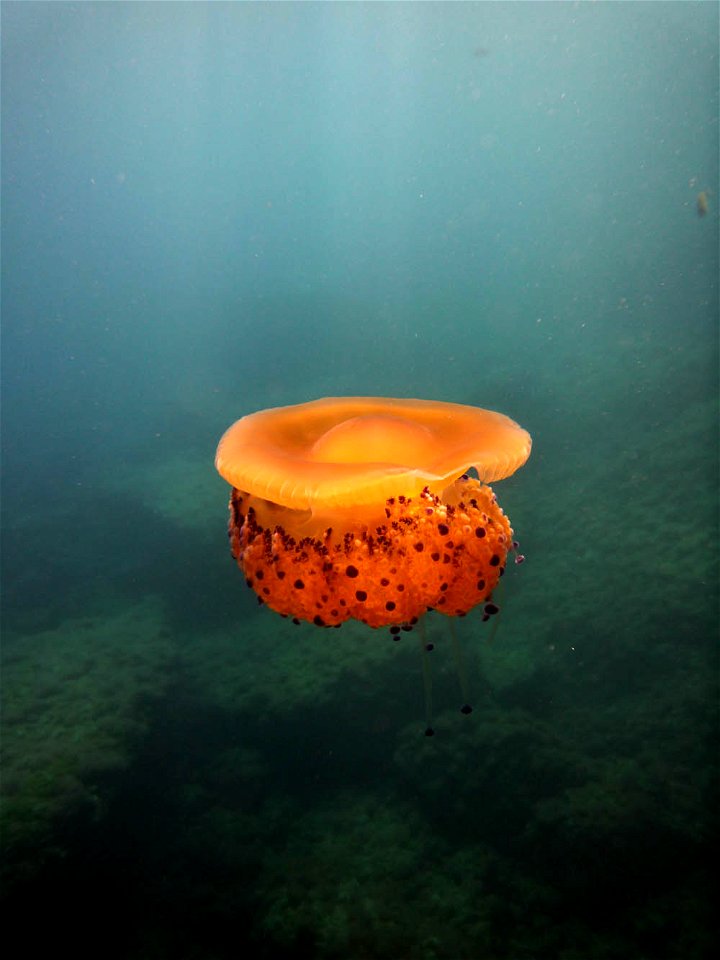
<point x="364" y="507"/>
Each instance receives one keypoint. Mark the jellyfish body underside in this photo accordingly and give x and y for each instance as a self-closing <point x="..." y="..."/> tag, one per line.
<point x="421" y="553"/>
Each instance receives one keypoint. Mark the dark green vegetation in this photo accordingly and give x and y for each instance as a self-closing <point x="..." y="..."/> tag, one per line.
<point x="203" y="777"/>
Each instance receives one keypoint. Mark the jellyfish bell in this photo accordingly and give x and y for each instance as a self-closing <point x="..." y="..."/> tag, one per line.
<point x="362" y="507"/>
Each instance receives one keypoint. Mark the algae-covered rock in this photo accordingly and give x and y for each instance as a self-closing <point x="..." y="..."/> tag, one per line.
<point x="363" y="877"/>
<point x="73" y="705"/>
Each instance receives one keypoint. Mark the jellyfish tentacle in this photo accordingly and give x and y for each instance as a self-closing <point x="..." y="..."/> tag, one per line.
<point x="461" y="670"/>
<point x="427" y="680"/>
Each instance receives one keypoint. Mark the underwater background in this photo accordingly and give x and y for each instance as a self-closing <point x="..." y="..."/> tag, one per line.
<point x="210" y="209"/>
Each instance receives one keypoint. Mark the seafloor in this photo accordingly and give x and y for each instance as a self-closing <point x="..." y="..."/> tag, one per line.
<point x="203" y="779"/>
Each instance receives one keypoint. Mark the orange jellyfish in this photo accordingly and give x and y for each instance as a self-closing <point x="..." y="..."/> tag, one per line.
<point x="701" y="204"/>
<point x="362" y="507"/>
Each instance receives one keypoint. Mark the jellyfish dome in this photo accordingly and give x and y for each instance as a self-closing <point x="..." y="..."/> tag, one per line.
<point x="362" y="507"/>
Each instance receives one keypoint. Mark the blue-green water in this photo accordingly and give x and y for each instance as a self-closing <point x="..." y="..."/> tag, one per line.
<point x="210" y="209"/>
